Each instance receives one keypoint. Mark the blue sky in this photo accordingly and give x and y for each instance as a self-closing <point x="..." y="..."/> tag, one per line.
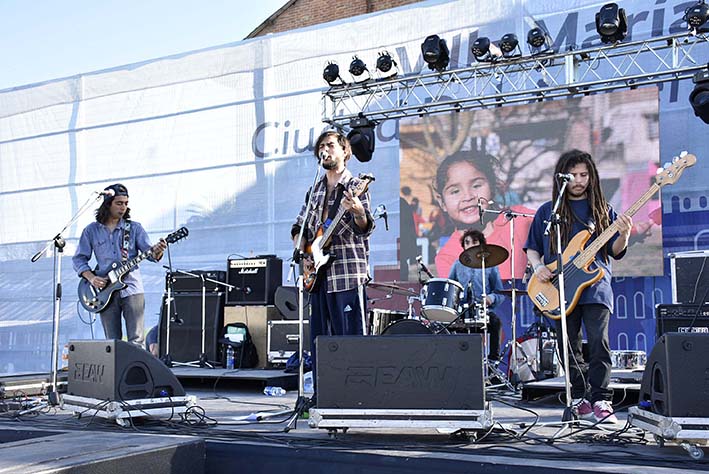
<point x="49" y="39"/>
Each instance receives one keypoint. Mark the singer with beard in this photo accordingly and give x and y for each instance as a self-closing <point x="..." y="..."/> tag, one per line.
<point x="466" y="185"/>
<point x="472" y="281"/>
<point x="115" y="238"/>
<point x="337" y="304"/>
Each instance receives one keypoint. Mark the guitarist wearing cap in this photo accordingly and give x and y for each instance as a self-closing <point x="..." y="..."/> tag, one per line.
<point x="113" y="238"/>
<point x="341" y="209"/>
<point x="583" y="208"/>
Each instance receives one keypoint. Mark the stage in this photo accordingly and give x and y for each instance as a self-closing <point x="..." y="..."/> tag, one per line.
<point x="233" y="426"/>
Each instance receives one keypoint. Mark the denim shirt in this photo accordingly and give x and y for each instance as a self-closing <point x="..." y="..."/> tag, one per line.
<point x="106" y="248"/>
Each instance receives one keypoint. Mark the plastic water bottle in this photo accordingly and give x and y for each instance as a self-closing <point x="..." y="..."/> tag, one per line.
<point x="229" y="358"/>
<point x="308" y="382"/>
<point x="274" y="391"/>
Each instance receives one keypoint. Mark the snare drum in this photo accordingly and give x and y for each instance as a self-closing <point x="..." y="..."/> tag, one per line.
<point x="415" y="326"/>
<point x="441" y="299"/>
<point x="379" y="319"/>
<point x="628" y="359"/>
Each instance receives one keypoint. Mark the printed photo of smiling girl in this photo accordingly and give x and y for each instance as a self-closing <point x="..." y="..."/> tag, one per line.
<point x="467" y="183"/>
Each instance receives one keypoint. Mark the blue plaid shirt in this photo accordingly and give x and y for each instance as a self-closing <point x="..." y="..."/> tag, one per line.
<point x="349" y="247"/>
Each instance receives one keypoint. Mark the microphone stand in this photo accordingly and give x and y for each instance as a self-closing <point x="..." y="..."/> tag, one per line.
<point x="302" y="403"/>
<point x="510" y="215"/>
<point x="203" y="360"/>
<point x="57" y="243"/>
<point x="555" y="221"/>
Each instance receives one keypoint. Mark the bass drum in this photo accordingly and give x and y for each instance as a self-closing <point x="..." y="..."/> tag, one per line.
<point x="414" y="326"/>
<point x="380" y="319"/>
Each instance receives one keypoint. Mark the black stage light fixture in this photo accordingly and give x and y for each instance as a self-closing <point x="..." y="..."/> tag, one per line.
<point x="361" y="138"/>
<point x="509" y="43"/>
<point x="539" y="41"/>
<point x="485" y="50"/>
<point x="697" y="15"/>
<point x="699" y="97"/>
<point x="386" y="65"/>
<point x="611" y="23"/>
<point x="331" y="74"/>
<point x="435" y="53"/>
<point x="357" y="69"/>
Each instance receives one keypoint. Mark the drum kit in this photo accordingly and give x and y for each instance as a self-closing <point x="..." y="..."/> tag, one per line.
<point x="444" y="307"/>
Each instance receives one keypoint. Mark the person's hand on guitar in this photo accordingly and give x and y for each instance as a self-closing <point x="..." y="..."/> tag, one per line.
<point x="543" y="273"/>
<point x="159" y="248"/>
<point x="355" y="207"/>
<point x="98" y="282"/>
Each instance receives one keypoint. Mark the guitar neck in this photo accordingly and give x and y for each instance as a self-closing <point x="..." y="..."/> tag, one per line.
<point x="589" y="253"/>
<point x="132" y="263"/>
<point x="327" y="235"/>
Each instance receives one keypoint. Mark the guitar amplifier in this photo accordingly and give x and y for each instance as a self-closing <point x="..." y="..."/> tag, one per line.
<point x="679" y="317"/>
<point x="689" y="272"/>
<point x="256" y="280"/>
<point x="283" y="340"/>
<point x="182" y="283"/>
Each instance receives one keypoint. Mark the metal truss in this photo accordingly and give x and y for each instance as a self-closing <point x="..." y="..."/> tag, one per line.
<point x="521" y="79"/>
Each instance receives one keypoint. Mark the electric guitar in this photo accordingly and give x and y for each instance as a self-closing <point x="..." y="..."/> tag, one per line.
<point x="576" y="259"/>
<point x="317" y="249"/>
<point x="95" y="300"/>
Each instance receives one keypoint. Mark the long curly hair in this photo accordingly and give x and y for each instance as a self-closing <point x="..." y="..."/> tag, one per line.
<point x="596" y="199"/>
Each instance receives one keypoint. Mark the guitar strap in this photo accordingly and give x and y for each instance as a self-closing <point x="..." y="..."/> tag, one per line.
<point x="126" y="241"/>
<point x="334" y="208"/>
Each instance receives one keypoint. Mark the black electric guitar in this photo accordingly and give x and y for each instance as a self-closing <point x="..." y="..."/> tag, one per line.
<point x="576" y="259"/>
<point x="95" y="300"/>
<point x="317" y="249"/>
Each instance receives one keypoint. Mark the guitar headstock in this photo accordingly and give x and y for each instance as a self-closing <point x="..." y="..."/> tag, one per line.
<point x="363" y="183"/>
<point x="178" y="235"/>
<point x="671" y="172"/>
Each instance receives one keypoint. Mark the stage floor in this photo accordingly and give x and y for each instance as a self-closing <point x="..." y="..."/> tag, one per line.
<point x="242" y="427"/>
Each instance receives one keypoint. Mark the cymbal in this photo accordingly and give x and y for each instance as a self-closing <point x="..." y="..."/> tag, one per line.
<point x="508" y="291"/>
<point x="473" y="257"/>
<point x="391" y="288"/>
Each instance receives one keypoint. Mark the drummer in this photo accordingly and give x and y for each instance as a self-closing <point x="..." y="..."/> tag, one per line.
<point x="471" y="279"/>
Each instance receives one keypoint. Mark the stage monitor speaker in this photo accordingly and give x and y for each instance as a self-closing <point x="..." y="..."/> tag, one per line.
<point x="681" y="318"/>
<point x="437" y="372"/>
<point x="676" y="378"/>
<point x="118" y="370"/>
<point x="256" y="280"/>
<point x="186" y="326"/>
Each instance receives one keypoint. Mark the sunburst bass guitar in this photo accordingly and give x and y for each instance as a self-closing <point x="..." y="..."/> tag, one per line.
<point x="576" y="259"/>
<point x="95" y="300"/>
<point x="317" y="249"/>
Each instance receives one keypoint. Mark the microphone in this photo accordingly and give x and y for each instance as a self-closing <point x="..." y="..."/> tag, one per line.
<point x="481" y="213"/>
<point x="425" y="269"/>
<point x="247" y="290"/>
<point x="381" y="211"/>
<point x="565" y="176"/>
<point x="106" y="192"/>
<point x="386" y="218"/>
<point x="322" y="156"/>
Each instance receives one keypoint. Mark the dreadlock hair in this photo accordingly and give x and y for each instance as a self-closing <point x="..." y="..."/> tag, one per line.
<point x="473" y="234"/>
<point x="104" y="211"/>
<point x="599" y="206"/>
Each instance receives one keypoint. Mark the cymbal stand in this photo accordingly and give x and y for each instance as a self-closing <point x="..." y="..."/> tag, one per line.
<point x="510" y="215"/>
<point x="57" y="243"/>
<point x="555" y="221"/>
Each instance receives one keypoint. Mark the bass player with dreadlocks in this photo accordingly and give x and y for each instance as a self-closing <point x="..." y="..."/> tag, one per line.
<point x="583" y="207"/>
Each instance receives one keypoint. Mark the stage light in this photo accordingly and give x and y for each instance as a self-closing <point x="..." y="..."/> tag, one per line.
<point x="611" y="23"/>
<point x="357" y="69"/>
<point x="362" y="138"/>
<point x="696" y="16"/>
<point x="331" y="74"/>
<point x="539" y="41"/>
<point x="509" y="44"/>
<point x="435" y="53"/>
<point x="699" y="97"/>
<point x="386" y="65"/>
<point x="485" y="50"/>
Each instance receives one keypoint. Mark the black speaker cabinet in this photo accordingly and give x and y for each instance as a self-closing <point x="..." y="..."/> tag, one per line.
<point x="186" y="326"/>
<point x="183" y="283"/>
<point x="256" y="280"/>
<point x="437" y="372"/>
<point x="689" y="273"/>
<point x="676" y="378"/>
<point x="118" y="370"/>
<point x="681" y="318"/>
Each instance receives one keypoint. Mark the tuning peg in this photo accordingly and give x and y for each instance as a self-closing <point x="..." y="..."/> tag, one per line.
<point x="683" y="153"/>
<point x="659" y="171"/>
<point x="666" y="165"/>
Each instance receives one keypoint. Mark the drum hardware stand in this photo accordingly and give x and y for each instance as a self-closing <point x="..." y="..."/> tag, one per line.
<point x="302" y="403"/>
<point x="555" y="222"/>
<point x="510" y="215"/>
<point x="58" y="243"/>
<point x="203" y="361"/>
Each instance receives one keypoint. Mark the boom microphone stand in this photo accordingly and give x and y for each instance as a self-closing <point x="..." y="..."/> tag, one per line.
<point x="555" y="221"/>
<point x="302" y="403"/>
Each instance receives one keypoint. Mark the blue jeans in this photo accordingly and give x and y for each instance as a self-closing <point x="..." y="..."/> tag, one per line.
<point x="593" y="375"/>
<point x="133" y="308"/>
